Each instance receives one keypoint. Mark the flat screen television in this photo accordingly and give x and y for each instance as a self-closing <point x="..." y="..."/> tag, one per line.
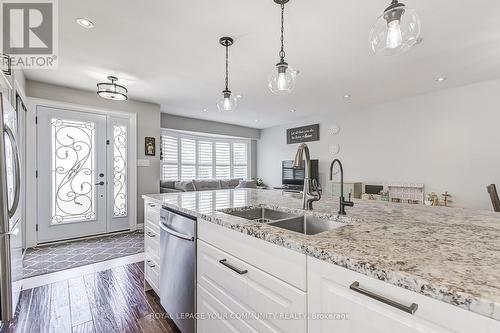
<point x="295" y="176"/>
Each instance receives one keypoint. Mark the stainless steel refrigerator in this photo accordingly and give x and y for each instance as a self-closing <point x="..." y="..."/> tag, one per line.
<point x="11" y="219"/>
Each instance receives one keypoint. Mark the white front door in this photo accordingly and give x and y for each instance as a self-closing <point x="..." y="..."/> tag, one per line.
<point x="82" y="174"/>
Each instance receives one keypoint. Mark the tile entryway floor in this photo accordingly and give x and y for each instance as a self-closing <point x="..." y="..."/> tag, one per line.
<point x="58" y="257"/>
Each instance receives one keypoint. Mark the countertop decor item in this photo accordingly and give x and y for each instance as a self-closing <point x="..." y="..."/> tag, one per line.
<point x="229" y="101"/>
<point x="113" y="90"/>
<point x="302" y="134"/>
<point x="406" y="193"/>
<point x="282" y="80"/>
<point x="396" y="30"/>
<point x="446" y="199"/>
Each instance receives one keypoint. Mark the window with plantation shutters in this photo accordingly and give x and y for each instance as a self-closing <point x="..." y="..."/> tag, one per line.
<point x="186" y="157"/>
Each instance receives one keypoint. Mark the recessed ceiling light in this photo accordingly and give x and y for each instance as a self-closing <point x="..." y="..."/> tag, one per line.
<point x="204" y="110"/>
<point x="347" y="96"/>
<point x="86" y="23"/>
<point x="441" y="79"/>
<point x="256" y="120"/>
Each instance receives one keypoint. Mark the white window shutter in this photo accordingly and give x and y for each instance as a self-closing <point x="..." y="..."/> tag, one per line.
<point x="205" y="159"/>
<point x="240" y="160"/>
<point x="222" y="160"/>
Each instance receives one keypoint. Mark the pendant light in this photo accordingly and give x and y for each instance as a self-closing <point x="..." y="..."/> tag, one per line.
<point x="396" y="30"/>
<point x="112" y="91"/>
<point x="282" y="80"/>
<point x="228" y="102"/>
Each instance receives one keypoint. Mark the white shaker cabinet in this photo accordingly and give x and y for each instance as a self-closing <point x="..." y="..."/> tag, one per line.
<point x="345" y="310"/>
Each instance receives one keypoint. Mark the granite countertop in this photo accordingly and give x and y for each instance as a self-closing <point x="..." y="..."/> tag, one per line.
<point x="449" y="254"/>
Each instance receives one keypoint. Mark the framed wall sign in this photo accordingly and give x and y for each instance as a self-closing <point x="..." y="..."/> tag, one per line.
<point x="150" y="146"/>
<point x="302" y="134"/>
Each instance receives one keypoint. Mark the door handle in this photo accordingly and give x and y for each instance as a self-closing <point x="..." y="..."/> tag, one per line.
<point x="408" y="309"/>
<point x="150" y="264"/>
<point x="17" y="171"/>
<point x="101" y="183"/>
<point x="231" y="267"/>
<point x="150" y="234"/>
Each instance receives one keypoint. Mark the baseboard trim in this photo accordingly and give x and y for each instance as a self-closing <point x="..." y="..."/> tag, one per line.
<point x="85" y="237"/>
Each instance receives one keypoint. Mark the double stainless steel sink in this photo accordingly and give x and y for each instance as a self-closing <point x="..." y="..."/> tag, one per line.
<point x="304" y="224"/>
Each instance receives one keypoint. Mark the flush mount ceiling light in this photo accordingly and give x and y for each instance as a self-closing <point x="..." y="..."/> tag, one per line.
<point x="282" y="80"/>
<point x="112" y="90"/>
<point x="86" y="23"/>
<point x="441" y="79"/>
<point x="396" y="30"/>
<point x="228" y="102"/>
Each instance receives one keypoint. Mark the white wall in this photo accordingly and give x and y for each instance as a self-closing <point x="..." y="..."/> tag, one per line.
<point x="206" y="126"/>
<point x="449" y="140"/>
<point x="148" y="120"/>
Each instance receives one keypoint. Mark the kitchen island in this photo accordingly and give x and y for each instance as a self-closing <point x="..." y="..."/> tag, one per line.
<point x="451" y="255"/>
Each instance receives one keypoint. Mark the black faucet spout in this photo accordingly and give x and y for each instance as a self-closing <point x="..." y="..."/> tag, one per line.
<point x="342" y="202"/>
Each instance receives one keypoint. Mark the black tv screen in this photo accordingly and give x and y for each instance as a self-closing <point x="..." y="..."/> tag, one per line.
<point x="295" y="176"/>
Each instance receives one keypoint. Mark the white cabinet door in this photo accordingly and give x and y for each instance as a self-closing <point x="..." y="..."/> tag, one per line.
<point x="341" y="310"/>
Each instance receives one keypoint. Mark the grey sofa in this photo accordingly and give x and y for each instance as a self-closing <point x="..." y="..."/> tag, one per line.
<point x="197" y="185"/>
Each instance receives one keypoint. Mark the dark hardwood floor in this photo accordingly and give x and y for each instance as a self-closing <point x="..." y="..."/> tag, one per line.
<point x="107" y="301"/>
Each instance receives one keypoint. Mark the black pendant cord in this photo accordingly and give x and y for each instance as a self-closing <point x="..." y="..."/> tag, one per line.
<point x="227" y="68"/>
<point x="282" y="51"/>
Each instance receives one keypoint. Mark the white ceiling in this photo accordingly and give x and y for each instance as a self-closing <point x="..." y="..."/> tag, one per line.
<point x="167" y="52"/>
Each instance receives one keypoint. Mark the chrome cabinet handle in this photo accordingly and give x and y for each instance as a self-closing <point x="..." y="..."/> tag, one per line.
<point x="17" y="171"/>
<point x="150" y="234"/>
<point x="151" y="205"/>
<point x="150" y="264"/>
<point x="231" y="267"/>
<point x="408" y="309"/>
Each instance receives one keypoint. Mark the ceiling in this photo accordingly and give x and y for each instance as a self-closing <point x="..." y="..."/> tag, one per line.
<point x="167" y="52"/>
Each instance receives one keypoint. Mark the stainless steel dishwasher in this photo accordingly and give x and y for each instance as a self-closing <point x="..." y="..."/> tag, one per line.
<point x="178" y="267"/>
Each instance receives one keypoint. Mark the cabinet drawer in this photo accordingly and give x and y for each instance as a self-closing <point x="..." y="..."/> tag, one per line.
<point x="152" y="274"/>
<point x="215" y="316"/>
<point x="280" y="262"/>
<point x="238" y="284"/>
<point x="152" y="215"/>
<point x="152" y="244"/>
<point x="329" y="292"/>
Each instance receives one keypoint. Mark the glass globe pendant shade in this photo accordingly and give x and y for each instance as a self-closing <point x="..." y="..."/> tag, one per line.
<point x="282" y="79"/>
<point x="395" y="31"/>
<point x="228" y="102"/>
